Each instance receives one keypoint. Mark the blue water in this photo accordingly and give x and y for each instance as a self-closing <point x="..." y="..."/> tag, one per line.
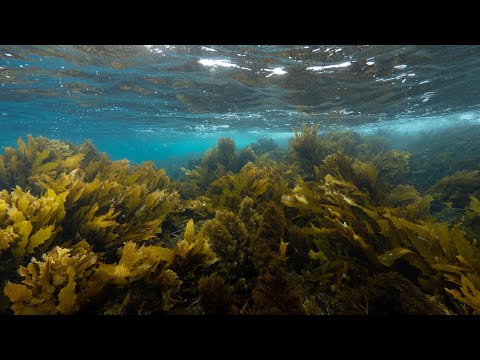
<point x="170" y="103"/>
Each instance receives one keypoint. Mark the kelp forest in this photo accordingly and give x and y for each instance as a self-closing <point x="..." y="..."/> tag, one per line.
<point x="334" y="224"/>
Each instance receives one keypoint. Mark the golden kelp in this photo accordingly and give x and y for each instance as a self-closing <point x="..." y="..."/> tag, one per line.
<point x="215" y="163"/>
<point x="372" y="237"/>
<point x="63" y="282"/>
<point x="334" y="227"/>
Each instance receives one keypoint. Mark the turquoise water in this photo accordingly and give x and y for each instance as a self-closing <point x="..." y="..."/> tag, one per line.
<point x="167" y="103"/>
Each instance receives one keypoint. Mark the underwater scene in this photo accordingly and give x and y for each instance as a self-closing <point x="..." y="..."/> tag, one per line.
<point x="239" y="180"/>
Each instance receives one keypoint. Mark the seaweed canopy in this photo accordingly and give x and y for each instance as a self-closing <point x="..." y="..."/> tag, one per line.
<point x="69" y="280"/>
<point x="214" y="164"/>
<point x="29" y="223"/>
<point x="346" y="225"/>
<point x="101" y="202"/>
<point x="440" y="153"/>
<point x="309" y="149"/>
<point x="454" y="190"/>
<point x="260" y="183"/>
<point x="370" y="179"/>
<point x="41" y="156"/>
<point x="154" y="277"/>
<point x="102" y="212"/>
<point x="63" y="282"/>
<point x="252" y="251"/>
<point x="117" y="204"/>
<point x="335" y="230"/>
<point x="363" y="175"/>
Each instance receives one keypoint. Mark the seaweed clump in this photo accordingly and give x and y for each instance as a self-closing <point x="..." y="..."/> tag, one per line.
<point x="309" y="149"/>
<point x="146" y="278"/>
<point x="214" y="164"/>
<point x="103" y="202"/>
<point x="347" y="226"/>
<point x="442" y="152"/>
<point x="252" y="251"/>
<point x="62" y="282"/>
<point x="453" y="191"/>
<point x="42" y="156"/>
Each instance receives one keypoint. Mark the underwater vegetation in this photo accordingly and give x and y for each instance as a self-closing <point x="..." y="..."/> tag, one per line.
<point x="214" y="164"/>
<point x="335" y="224"/>
<point x="441" y="153"/>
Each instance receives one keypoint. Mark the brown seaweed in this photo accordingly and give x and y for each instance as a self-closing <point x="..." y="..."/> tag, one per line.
<point x="333" y="228"/>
